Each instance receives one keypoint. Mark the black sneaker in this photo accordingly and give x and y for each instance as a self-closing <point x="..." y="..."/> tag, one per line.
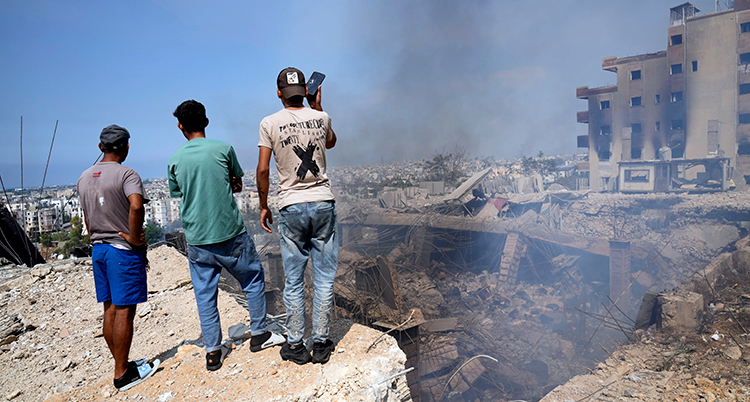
<point x="215" y="359"/>
<point x="295" y="353"/>
<point x="265" y="340"/>
<point x="322" y="351"/>
<point x="136" y="374"/>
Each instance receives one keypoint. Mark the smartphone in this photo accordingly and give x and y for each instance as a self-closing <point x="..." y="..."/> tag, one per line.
<point x="315" y="80"/>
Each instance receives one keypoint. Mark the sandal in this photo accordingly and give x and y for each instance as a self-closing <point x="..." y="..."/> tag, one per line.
<point x="215" y="359"/>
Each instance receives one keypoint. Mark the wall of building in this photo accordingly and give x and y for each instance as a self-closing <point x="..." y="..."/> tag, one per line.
<point x="743" y="100"/>
<point x="597" y="118"/>
<point x="711" y="91"/>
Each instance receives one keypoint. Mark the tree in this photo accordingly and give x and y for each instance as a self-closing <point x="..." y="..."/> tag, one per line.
<point x="445" y="166"/>
<point x="153" y="232"/>
<point x="76" y="228"/>
<point x="540" y="164"/>
<point x="46" y="240"/>
<point x="75" y="238"/>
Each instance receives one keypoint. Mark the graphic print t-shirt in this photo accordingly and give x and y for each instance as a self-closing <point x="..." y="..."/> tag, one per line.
<point x="103" y="190"/>
<point x="298" y="141"/>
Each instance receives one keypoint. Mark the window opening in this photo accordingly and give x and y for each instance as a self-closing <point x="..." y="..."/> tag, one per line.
<point x="677" y="124"/>
<point x="635" y="75"/>
<point x="637" y="176"/>
<point x="745" y="118"/>
<point x="676" y="39"/>
<point x="675" y="68"/>
<point x="695" y="65"/>
<point x="636" y="136"/>
<point x="603" y="105"/>
<point x="744" y="89"/>
<point x="745" y="58"/>
<point x="657" y="99"/>
<point x="676" y="97"/>
<point x="635" y="101"/>
<point x="713" y="137"/>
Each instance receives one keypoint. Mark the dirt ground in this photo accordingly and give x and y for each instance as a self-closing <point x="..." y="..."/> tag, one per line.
<point x="52" y="348"/>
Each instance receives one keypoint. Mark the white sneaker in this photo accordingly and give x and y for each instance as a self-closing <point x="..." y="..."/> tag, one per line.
<point x="273" y="339"/>
<point x="141" y="373"/>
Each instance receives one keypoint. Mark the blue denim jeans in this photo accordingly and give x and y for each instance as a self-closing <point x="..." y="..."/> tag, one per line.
<point x="239" y="257"/>
<point x="308" y="230"/>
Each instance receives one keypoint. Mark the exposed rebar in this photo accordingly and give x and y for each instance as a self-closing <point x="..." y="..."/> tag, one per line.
<point x="389" y="331"/>
<point x="459" y="369"/>
<point x="44" y="178"/>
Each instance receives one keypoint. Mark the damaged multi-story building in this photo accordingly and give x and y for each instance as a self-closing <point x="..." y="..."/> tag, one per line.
<point x="677" y="119"/>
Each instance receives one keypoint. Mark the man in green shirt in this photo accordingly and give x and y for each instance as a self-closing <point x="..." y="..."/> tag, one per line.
<point x="204" y="173"/>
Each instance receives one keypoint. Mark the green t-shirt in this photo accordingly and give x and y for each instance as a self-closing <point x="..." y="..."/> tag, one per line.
<point x="199" y="173"/>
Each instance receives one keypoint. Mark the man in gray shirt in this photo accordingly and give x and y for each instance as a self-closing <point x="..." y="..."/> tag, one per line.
<point x="112" y="198"/>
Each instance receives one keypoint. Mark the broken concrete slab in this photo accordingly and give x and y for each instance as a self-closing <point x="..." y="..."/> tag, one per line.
<point x="680" y="310"/>
<point x="440" y="324"/>
<point x="646" y="315"/>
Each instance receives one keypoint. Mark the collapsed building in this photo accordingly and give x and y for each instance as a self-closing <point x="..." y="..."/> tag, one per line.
<point x="486" y="273"/>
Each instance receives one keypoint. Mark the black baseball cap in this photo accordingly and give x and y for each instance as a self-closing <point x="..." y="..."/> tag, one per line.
<point x="113" y="137"/>
<point x="291" y="82"/>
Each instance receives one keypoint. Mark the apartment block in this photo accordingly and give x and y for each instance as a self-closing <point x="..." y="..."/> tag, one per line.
<point x="678" y="119"/>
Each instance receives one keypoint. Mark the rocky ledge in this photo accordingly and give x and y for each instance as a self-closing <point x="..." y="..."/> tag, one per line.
<point x="51" y="346"/>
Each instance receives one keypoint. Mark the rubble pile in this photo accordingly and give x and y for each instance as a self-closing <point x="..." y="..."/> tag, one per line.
<point x="52" y="348"/>
<point x="708" y="363"/>
<point x="531" y="331"/>
<point x="526" y="278"/>
<point x="692" y="229"/>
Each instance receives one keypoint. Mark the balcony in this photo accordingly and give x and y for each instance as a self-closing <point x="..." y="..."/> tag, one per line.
<point x="582" y="117"/>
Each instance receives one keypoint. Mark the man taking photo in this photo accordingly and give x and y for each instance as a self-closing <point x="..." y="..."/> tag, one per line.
<point x="298" y="137"/>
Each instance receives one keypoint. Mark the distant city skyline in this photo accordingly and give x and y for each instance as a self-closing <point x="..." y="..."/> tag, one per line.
<point x="403" y="79"/>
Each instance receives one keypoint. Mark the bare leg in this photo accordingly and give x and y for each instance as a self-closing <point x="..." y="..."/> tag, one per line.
<point x="118" y="332"/>
<point x="108" y="325"/>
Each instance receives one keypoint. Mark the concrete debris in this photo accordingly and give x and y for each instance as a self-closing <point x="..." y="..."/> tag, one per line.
<point x="682" y="361"/>
<point x="239" y="331"/>
<point x="542" y="269"/>
<point x="440" y="325"/>
<point x="392" y="198"/>
<point x="12" y="395"/>
<point x="733" y="352"/>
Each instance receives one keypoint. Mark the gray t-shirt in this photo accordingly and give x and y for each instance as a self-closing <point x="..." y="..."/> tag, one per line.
<point x="103" y="190"/>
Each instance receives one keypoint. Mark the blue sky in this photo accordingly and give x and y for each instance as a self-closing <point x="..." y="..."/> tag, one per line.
<point x="404" y="78"/>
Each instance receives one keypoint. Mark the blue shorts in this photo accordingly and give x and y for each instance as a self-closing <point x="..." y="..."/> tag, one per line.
<point x="119" y="275"/>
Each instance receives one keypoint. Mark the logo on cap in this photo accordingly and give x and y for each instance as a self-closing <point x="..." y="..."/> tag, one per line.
<point x="292" y="78"/>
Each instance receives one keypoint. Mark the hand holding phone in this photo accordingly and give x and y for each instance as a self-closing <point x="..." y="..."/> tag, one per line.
<point x="313" y="94"/>
<point x="314" y="82"/>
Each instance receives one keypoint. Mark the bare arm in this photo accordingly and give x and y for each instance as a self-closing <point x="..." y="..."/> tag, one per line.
<point x="332" y="142"/>
<point x="135" y="220"/>
<point x="314" y="102"/>
<point x="264" y="160"/>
